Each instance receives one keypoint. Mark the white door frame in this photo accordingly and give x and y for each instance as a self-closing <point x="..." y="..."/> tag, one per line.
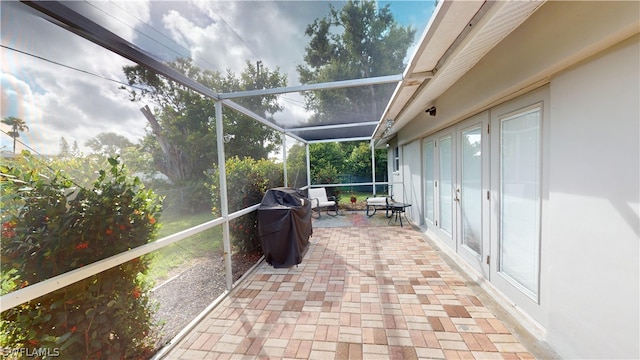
<point x="478" y="260"/>
<point x="531" y="302"/>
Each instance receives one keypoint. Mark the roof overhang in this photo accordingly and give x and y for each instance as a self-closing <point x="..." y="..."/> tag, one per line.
<point x="459" y="34"/>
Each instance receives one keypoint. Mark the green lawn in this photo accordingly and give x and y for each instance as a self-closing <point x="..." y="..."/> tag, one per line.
<point x="345" y="198"/>
<point x="171" y="259"/>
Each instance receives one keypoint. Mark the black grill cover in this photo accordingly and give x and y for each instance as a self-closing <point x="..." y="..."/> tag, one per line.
<point x="284" y="226"/>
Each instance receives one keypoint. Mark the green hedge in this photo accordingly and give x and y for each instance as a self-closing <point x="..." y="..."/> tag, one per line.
<point x="247" y="182"/>
<point x="51" y="226"/>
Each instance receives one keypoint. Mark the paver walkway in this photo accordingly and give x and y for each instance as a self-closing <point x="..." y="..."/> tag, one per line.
<point x="360" y="293"/>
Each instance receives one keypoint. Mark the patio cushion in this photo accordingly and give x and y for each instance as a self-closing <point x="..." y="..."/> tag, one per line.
<point x="318" y="197"/>
<point x="379" y="200"/>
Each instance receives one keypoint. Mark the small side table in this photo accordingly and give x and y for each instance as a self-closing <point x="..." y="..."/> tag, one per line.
<point x="398" y="209"/>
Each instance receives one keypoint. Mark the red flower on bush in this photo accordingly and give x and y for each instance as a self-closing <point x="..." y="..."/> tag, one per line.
<point x="8" y="229"/>
<point x="39" y="249"/>
<point x="136" y="292"/>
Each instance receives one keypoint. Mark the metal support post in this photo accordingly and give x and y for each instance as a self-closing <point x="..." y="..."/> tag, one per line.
<point x="373" y="166"/>
<point x="284" y="158"/>
<point x="224" y="200"/>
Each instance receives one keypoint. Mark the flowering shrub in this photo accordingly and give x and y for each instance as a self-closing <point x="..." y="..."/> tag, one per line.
<point x="247" y="182"/>
<point x="49" y="227"/>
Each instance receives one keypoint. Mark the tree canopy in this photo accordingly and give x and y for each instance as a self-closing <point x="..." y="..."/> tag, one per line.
<point x="17" y="126"/>
<point x="107" y="143"/>
<point x="358" y="41"/>
<point x="182" y="136"/>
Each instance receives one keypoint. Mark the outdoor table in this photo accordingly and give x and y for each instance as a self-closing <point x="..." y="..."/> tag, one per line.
<point x="397" y="209"/>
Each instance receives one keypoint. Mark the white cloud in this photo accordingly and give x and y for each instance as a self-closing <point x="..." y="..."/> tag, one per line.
<point x="60" y="90"/>
<point x="58" y="101"/>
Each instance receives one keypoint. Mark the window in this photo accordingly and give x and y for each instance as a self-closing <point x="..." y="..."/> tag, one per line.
<point x="396" y="159"/>
<point x="520" y="161"/>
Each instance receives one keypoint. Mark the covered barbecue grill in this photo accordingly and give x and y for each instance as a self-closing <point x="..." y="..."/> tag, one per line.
<point x="284" y="226"/>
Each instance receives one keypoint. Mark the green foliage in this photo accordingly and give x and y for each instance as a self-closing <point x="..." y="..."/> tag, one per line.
<point x="17" y="126"/>
<point x="182" y="142"/>
<point x="203" y="245"/>
<point x="83" y="170"/>
<point x="323" y="156"/>
<point x="183" y="145"/>
<point x="108" y="144"/>
<point x="297" y="166"/>
<point x="247" y="182"/>
<point x="328" y="174"/>
<point x="359" y="161"/>
<point x="359" y="41"/>
<point x="51" y="226"/>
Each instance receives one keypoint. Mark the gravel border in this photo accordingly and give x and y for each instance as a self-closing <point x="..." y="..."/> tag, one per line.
<point x="181" y="298"/>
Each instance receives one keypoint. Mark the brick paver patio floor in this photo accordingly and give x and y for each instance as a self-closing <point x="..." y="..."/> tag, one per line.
<point x="360" y="293"/>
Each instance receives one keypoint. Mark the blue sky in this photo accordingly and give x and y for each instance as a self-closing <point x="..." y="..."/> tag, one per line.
<point x="415" y="13"/>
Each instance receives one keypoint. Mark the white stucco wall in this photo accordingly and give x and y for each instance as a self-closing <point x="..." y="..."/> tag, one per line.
<point x="594" y="225"/>
<point x="591" y="232"/>
<point x="412" y="180"/>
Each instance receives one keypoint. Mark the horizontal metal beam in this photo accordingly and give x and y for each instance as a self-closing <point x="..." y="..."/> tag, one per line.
<point x="78" y="24"/>
<point x="335" y="126"/>
<point x="45" y="287"/>
<point x="350" y="184"/>
<point x="362" y="138"/>
<point x="241" y="109"/>
<point x="311" y="87"/>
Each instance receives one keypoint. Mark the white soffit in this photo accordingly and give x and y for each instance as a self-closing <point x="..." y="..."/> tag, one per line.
<point x="441" y="31"/>
<point x="500" y="19"/>
<point x="450" y="19"/>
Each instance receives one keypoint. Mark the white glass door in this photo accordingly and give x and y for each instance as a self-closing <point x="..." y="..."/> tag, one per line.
<point x="445" y="192"/>
<point x="439" y="185"/>
<point x="429" y="183"/>
<point x="471" y="192"/>
<point x="456" y="182"/>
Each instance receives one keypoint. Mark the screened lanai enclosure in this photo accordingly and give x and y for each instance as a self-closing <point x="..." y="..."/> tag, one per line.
<point x="138" y="138"/>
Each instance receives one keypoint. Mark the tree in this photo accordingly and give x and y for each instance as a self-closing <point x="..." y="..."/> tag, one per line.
<point x="75" y="150"/>
<point x="182" y="138"/>
<point x="297" y="166"/>
<point x="108" y="144"/>
<point x="17" y="126"/>
<point x="64" y="147"/>
<point x="356" y="42"/>
<point x="359" y="161"/>
<point x="325" y="156"/>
